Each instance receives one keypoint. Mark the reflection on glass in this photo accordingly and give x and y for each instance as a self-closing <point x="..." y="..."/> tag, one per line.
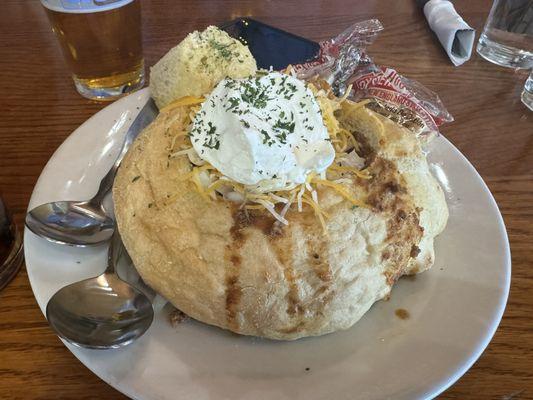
<point x="10" y="246"/>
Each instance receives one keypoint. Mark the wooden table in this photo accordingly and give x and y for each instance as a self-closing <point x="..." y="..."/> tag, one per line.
<point x="39" y="108"/>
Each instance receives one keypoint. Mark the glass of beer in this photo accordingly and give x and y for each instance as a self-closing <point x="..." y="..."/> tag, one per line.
<point x="102" y="44"/>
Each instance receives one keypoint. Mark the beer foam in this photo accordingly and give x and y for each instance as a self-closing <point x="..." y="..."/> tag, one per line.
<point x="83" y="6"/>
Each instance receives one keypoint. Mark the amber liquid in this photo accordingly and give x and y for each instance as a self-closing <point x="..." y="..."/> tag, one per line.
<point x="104" y="48"/>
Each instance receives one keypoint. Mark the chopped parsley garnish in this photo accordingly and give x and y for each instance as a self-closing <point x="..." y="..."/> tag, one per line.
<point x="222" y="49"/>
<point x="233" y="103"/>
<point x="230" y="83"/>
<point x="212" y="144"/>
<point x="212" y="128"/>
<point x="266" y="138"/>
<point x="282" y="137"/>
<point x="254" y="95"/>
<point x="285" y="125"/>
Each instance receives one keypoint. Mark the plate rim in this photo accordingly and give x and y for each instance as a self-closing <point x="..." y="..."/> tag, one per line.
<point x="495" y="323"/>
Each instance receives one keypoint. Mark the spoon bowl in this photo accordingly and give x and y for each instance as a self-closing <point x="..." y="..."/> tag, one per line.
<point x="100" y="313"/>
<point x="103" y="312"/>
<point x="71" y="222"/>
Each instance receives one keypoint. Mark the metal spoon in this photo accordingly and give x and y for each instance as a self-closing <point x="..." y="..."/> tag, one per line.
<point x="86" y="223"/>
<point x="102" y="312"/>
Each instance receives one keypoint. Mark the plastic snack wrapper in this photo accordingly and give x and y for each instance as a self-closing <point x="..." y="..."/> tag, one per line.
<point x="343" y="62"/>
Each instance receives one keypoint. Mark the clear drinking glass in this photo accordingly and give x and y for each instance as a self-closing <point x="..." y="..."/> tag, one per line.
<point x="507" y="38"/>
<point x="10" y="246"/>
<point x="102" y="44"/>
<point x="527" y="93"/>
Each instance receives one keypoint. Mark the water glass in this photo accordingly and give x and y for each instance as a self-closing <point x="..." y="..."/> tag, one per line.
<point x="101" y="41"/>
<point x="507" y="38"/>
<point x="527" y="93"/>
<point x="10" y="246"/>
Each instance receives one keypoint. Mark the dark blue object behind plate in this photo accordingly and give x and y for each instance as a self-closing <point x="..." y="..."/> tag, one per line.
<point x="271" y="46"/>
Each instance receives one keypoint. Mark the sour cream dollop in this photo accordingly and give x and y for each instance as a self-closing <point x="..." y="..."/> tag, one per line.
<point x="266" y="131"/>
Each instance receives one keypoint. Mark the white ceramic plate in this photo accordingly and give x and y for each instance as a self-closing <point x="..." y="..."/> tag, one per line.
<point x="454" y="308"/>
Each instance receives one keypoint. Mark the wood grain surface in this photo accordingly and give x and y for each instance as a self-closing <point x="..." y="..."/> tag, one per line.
<point x="39" y="108"/>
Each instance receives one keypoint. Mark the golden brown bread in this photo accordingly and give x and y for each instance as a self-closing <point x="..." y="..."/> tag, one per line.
<point x="241" y="271"/>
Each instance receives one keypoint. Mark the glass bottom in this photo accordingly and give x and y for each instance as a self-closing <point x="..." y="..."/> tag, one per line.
<point x="506" y="56"/>
<point x="527" y="99"/>
<point x="13" y="262"/>
<point x="110" y="88"/>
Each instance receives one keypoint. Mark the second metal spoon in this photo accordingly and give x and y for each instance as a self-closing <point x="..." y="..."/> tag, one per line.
<point x="102" y="312"/>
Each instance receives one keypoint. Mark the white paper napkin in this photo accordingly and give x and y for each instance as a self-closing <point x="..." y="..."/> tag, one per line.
<point x="453" y="32"/>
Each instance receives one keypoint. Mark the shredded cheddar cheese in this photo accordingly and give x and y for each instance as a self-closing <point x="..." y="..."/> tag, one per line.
<point x="183" y="101"/>
<point x="318" y="212"/>
<point x="198" y="184"/>
<point x="341" y="168"/>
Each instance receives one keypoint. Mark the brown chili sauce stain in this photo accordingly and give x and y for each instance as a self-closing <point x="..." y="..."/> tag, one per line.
<point x="402" y="313"/>
<point x="236" y="260"/>
<point x="261" y="222"/>
<point x="240" y="221"/>
<point x="365" y="149"/>
<point x="254" y="218"/>
<point x="415" y="251"/>
<point x="388" y="194"/>
<point x="176" y="317"/>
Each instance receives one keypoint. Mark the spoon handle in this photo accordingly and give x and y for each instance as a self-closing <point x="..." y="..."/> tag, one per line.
<point x="143" y="119"/>
<point x="114" y="252"/>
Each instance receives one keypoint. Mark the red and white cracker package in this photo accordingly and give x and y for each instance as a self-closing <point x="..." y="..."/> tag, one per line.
<point x="342" y="61"/>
